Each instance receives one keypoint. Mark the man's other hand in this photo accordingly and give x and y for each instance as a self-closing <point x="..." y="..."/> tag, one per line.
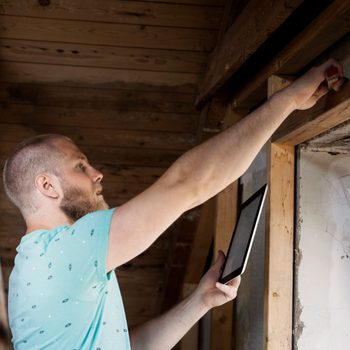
<point x="211" y="292"/>
<point x="309" y="88"/>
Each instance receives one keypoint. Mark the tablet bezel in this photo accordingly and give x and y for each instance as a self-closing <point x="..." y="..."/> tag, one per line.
<point x="240" y="270"/>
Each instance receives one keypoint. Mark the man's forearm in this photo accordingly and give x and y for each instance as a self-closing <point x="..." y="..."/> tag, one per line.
<point x="213" y="165"/>
<point x="165" y="331"/>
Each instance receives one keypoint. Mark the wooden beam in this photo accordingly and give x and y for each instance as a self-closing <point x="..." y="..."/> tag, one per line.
<point x="118" y="100"/>
<point x="102" y="56"/>
<point x="333" y="109"/>
<point x="279" y="241"/>
<point x="12" y="113"/>
<point x="319" y="35"/>
<point x="102" y="136"/>
<point x="258" y="20"/>
<point x="225" y="218"/>
<point x="110" y="11"/>
<point x="100" y="33"/>
<point x="200" y="247"/>
<point x="21" y="72"/>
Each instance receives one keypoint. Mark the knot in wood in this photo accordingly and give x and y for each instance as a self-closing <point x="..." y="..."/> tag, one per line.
<point x="44" y="2"/>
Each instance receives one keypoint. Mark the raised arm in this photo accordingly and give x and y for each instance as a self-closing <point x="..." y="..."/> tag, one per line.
<point x="207" y="169"/>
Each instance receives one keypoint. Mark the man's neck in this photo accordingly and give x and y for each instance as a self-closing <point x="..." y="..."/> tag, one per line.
<point x="47" y="220"/>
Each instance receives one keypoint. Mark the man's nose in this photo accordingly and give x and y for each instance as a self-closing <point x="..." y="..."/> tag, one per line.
<point x="97" y="175"/>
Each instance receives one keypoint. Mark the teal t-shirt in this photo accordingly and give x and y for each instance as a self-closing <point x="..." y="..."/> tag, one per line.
<point x="60" y="296"/>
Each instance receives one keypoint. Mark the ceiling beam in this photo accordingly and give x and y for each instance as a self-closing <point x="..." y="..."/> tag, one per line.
<point x="319" y="35"/>
<point x="333" y="109"/>
<point x="255" y="24"/>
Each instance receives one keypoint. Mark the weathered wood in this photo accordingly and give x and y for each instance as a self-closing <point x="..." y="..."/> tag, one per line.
<point x="212" y="3"/>
<point x="182" y="232"/>
<point x="96" y="118"/>
<point x="200" y="247"/>
<point x="121" y="101"/>
<point x="279" y="241"/>
<point x="18" y="72"/>
<point x="110" y="11"/>
<point x="116" y="155"/>
<point x="320" y="34"/>
<point x="258" y="20"/>
<point x="333" y="109"/>
<point x="101" y="136"/>
<point x="225" y="218"/>
<point x="113" y="34"/>
<point x="102" y="56"/>
<point x="124" y="174"/>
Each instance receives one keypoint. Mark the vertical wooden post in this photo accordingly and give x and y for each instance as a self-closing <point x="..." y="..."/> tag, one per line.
<point x="225" y="217"/>
<point x="279" y="242"/>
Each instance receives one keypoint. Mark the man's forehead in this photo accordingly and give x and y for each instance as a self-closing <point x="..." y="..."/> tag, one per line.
<point x="70" y="150"/>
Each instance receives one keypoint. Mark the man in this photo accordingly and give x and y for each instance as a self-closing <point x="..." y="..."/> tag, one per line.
<point x="63" y="293"/>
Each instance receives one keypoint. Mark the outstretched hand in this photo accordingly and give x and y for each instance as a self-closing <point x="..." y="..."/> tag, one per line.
<point x="310" y="87"/>
<point x="213" y="293"/>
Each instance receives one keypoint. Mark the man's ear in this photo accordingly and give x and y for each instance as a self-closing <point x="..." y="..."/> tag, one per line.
<point x="47" y="186"/>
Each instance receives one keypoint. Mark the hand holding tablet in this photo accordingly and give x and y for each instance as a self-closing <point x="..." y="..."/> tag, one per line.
<point x="243" y="236"/>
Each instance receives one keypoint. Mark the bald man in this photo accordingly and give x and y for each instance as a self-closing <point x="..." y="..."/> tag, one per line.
<point x="63" y="292"/>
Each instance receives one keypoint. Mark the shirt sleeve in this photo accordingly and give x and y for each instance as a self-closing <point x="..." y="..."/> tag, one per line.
<point x="80" y="252"/>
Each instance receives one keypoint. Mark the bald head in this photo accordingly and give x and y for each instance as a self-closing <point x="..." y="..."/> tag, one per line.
<point x="34" y="156"/>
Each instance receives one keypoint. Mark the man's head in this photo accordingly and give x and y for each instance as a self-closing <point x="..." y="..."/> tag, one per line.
<point x="49" y="170"/>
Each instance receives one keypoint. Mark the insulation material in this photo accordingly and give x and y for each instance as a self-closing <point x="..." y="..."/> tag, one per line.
<point x="322" y="281"/>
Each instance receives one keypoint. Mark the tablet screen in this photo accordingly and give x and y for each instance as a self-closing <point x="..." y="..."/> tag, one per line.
<point x="243" y="234"/>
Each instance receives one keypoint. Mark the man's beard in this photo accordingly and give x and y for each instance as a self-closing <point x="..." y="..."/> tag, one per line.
<point x="76" y="203"/>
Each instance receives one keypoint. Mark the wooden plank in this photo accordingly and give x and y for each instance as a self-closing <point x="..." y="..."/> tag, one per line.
<point x="113" y="34"/>
<point x="110" y="11"/>
<point x="101" y="136"/>
<point x="121" y="101"/>
<point x="319" y="35"/>
<point x="18" y="72"/>
<point x="258" y="20"/>
<point x="212" y="3"/>
<point x="116" y="155"/>
<point x="333" y="109"/>
<point x="200" y="247"/>
<point x="279" y="241"/>
<point x="102" y="56"/>
<point x="95" y="118"/>
<point x="115" y="194"/>
<point x="225" y="217"/>
<point x="126" y="174"/>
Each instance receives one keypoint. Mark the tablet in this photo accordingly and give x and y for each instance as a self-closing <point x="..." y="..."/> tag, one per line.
<point x="243" y="236"/>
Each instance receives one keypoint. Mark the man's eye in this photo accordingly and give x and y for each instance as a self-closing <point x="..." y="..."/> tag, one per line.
<point x="81" y="166"/>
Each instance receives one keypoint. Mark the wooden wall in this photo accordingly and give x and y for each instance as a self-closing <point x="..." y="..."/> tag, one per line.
<point x="119" y="78"/>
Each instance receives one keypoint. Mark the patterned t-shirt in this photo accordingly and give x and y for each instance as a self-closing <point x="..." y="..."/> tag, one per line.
<point x="60" y="296"/>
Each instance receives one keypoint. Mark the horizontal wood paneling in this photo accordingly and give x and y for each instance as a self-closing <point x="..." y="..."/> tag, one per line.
<point x="111" y="11"/>
<point x="214" y="3"/>
<point x="128" y="35"/>
<point x="102" y="56"/>
<point x="101" y="136"/>
<point x="18" y="72"/>
<point x="97" y="99"/>
<point x="56" y="116"/>
<point x="114" y="173"/>
<point x="116" y="155"/>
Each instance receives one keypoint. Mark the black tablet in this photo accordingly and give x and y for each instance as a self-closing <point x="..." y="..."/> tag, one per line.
<point x="243" y="236"/>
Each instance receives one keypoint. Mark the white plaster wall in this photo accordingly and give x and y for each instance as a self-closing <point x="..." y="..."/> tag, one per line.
<point x="323" y="273"/>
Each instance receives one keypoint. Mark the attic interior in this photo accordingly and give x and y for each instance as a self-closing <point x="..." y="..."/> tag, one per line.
<point x="136" y="84"/>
